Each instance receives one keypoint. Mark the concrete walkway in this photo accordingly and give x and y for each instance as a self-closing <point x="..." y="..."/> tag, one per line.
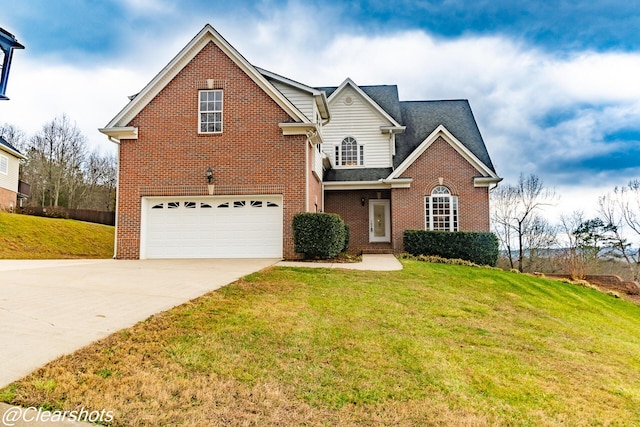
<point x="370" y="262"/>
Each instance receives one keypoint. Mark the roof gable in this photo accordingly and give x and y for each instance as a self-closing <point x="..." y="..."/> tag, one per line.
<point x="442" y="131"/>
<point x="422" y="118"/>
<point x="207" y="35"/>
<point x="10" y="149"/>
<point x="334" y="94"/>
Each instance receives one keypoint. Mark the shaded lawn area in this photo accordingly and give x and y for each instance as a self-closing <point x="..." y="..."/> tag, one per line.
<point x="430" y="345"/>
<point x="32" y="237"/>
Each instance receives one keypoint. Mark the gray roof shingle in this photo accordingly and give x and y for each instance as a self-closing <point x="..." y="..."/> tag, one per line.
<point x="8" y="145"/>
<point x="420" y="118"/>
<point x="423" y="117"/>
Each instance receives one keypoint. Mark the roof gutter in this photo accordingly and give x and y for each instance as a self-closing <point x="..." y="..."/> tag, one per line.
<point x="115" y="134"/>
<point x="368" y="185"/>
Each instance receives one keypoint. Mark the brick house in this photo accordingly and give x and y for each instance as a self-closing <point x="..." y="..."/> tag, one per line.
<point x="217" y="156"/>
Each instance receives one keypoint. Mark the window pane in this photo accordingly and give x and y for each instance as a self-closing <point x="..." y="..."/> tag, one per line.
<point x="210" y="111"/>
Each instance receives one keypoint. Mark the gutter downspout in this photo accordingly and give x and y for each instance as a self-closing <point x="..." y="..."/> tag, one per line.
<point x="115" y="224"/>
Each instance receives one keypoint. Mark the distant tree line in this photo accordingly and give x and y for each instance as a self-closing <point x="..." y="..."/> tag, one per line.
<point x="61" y="169"/>
<point x="577" y="245"/>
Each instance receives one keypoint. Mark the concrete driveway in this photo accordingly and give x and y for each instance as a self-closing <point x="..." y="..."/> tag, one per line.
<point x="51" y="308"/>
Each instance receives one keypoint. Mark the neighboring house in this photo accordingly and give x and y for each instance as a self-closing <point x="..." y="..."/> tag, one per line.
<point x="9" y="172"/>
<point x="272" y="147"/>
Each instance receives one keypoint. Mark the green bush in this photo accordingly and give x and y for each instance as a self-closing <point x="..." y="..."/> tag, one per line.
<point x="347" y="236"/>
<point x="479" y="248"/>
<point x="319" y="235"/>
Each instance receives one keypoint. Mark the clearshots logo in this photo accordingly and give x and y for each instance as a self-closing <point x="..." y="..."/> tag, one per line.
<point x="14" y="415"/>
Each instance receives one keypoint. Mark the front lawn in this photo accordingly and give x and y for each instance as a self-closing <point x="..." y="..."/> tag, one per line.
<point x="430" y="345"/>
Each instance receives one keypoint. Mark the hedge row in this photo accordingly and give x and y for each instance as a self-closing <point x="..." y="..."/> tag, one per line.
<point x="479" y="248"/>
<point x="320" y="235"/>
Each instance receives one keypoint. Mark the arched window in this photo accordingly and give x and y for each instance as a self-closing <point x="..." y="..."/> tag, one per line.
<point x="441" y="210"/>
<point x="349" y="153"/>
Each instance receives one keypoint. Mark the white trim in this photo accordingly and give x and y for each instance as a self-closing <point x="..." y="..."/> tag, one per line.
<point x="379" y="109"/>
<point x="387" y="220"/>
<point x="368" y="185"/>
<point x="454" y="142"/>
<point x="482" y="181"/>
<point x="200" y="112"/>
<point x="206" y="35"/>
<point x="116" y="134"/>
<point x="14" y="153"/>
<point x="454" y="210"/>
<point x="360" y="152"/>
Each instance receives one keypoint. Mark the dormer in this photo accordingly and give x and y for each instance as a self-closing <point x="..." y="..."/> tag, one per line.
<point x="361" y="133"/>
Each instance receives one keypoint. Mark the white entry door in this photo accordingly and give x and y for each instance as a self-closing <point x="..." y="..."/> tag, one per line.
<point x="379" y="221"/>
<point x="212" y="227"/>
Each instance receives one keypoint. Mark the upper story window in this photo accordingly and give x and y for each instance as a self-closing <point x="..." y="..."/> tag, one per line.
<point x="349" y="153"/>
<point x="210" y="111"/>
<point x="4" y="164"/>
<point x="441" y="210"/>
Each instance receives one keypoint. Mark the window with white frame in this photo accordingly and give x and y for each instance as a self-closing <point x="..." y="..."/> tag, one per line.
<point x="210" y="111"/>
<point x="349" y="153"/>
<point x="4" y="164"/>
<point x="441" y="210"/>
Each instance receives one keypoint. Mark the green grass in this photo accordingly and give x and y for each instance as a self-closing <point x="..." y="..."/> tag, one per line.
<point x="31" y="237"/>
<point x="430" y="345"/>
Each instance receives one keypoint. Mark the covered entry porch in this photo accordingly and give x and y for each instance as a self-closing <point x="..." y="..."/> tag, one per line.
<point x="367" y="212"/>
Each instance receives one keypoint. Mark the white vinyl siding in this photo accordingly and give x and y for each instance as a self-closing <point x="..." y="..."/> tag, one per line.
<point x="9" y="167"/>
<point x="4" y="164"/>
<point x="362" y="122"/>
<point x="302" y="100"/>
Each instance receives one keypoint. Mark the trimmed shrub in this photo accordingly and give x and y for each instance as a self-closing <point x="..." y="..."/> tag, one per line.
<point x="319" y="235"/>
<point x="476" y="247"/>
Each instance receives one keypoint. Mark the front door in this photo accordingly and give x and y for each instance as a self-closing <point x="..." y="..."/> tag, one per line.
<point x="379" y="221"/>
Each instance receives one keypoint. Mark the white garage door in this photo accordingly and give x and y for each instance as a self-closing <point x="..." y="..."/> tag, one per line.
<point x="212" y="227"/>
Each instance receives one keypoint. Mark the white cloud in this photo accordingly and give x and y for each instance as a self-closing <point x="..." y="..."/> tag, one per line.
<point x="512" y="87"/>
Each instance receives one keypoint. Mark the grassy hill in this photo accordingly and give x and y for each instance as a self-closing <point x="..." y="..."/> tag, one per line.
<point x="32" y="237"/>
<point x="432" y="344"/>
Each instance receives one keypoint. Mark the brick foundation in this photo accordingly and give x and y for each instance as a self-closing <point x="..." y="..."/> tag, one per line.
<point x="7" y="197"/>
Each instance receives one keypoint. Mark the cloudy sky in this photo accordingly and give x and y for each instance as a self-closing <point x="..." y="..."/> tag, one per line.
<point x="554" y="85"/>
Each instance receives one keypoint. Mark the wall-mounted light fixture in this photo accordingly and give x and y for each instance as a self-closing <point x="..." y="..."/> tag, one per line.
<point x="362" y="200"/>
<point x="8" y="43"/>
<point x="210" y="180"/>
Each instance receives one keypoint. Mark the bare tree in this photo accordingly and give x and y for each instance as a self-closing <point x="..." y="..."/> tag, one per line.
<point x="14" y="136"/>
<point x="58" y="151"/>
<point x="516" y="205"/>
<point x="503" y="207"/>
<point x="539" y="238"/>
<point x="101" y="174"/>
<point x="617" y="210"/>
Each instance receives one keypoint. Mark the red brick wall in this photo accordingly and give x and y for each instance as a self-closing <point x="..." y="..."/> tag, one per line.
<point x="6" y="197"/>
<point x="440" y="160"/>
<point x="250" y="156"/>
